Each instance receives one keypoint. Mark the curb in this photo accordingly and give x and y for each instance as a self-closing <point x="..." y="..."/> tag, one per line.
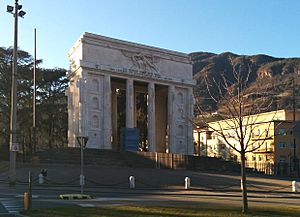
<point x="74" y="197"/>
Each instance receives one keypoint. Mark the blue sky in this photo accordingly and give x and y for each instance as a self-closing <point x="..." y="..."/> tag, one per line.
<point x="241" y="26"/>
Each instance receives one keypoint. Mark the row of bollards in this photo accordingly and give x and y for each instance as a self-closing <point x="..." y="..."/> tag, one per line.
<point x="187" y="185"/>
<point x="187" y="182"/>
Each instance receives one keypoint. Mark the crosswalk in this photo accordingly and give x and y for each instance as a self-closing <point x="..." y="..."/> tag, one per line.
<point x="11" y="205"/>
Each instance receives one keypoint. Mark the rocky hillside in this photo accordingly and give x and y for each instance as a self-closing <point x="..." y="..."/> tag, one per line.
<point x="266" y="71"/>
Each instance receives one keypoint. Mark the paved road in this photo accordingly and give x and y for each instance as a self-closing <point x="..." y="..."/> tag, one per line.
<point x="11" y="205"/>
<point x="12" y="198"/>
<point x="154" y="187"/>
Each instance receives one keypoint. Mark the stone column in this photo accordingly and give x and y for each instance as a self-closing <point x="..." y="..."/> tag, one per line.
<point x="129" y="103"/>
<point x="71" y="132"/>
<point x="82" y="118"/>
<point x="107" y="112"/>
<point x="171" y="121"/>
<point x="190" y="116"/>
<point x="114" y="119"/>
<point x="151" y="117"/>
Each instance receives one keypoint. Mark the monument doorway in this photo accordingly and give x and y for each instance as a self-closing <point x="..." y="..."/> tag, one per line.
<point x="161" y="118"/>
<point x="141" y="114"/>
<point x="118" y="110"/>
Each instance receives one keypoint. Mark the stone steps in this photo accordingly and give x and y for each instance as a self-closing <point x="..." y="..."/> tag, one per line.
<point x="131" y="159"/>
<point x="73" y="156"/>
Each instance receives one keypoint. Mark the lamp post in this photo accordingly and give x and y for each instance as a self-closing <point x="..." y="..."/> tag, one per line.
<point x="295" y="160"/>
<point x="82" y="140"/>
<point x="13" y="145"/>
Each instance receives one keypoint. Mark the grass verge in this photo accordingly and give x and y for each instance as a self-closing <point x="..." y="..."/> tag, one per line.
<point x="150" y="211"/>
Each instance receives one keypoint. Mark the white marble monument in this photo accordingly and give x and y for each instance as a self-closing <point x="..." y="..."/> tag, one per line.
<point x="102" y="66"/>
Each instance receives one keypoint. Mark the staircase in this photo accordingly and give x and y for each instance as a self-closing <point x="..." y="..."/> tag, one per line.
<point x="72" y="156"/>
<point x="134" y="159"/>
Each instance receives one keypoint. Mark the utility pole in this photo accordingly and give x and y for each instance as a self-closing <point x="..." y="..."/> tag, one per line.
<point x="34" y="98"/>
<point x="294" y="122"/>
<point x="13" y="145"/>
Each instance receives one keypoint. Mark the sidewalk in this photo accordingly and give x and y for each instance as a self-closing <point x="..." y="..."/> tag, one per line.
<point x="117" y="177"/>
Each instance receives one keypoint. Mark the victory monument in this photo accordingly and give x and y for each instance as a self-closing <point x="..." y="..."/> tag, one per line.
<point x="112" y="83"/>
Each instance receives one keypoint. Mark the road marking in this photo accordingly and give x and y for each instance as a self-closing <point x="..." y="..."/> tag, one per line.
<point x="115" y="199"/>
<point x="22" y="196"/>
<point x="86" y="205"/>
<point x="11" y="205"/>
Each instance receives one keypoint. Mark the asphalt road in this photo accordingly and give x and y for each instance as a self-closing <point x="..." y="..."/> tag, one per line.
<point x="110" y="186"/>
<point x="11" y="198"/>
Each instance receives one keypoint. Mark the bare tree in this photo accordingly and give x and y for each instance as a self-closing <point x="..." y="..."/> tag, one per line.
<point x="238" y="116"/>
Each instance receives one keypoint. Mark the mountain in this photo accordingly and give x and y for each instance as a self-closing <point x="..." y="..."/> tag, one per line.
<point x="266" y="71"/>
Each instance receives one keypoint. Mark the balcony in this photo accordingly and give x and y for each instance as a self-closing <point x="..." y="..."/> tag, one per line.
<point x="264" y="151"/>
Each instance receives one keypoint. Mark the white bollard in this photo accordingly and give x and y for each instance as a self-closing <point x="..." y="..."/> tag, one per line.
<point x="187" y="183"/>
<point x="131" y="182"/>
<point x="81" y="180"/>
<point x="295" y="186"/>
<point x="41" y="178"/>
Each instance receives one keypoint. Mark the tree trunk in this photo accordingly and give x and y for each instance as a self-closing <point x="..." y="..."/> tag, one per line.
<point x="244" y="183"/>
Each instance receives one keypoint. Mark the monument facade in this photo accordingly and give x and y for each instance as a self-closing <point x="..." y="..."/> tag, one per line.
<point x="111" y="80"/>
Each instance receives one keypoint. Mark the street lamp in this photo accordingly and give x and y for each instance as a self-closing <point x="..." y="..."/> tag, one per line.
<point x="82" y="140"/>
<point x="13" y="145"/>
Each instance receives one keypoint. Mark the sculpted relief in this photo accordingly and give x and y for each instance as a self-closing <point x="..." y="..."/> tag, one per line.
<point x="142" y="62"/>
<point x="72" y="65"/>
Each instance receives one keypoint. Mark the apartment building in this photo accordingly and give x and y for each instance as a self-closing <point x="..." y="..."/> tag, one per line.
<point x="273" y="136"/>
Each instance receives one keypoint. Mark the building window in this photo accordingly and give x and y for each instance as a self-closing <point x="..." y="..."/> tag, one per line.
<point x="256" y="133"/>
<point x="253" y="158"/>
<point x="260" y="158"/>
<point x="180" y="97"/>
<point x="292" y="146"/>
<point x="209" y="135"/>
<point x="95" y="103"/>
<point x="95" y="121"/>
<point x="281" y="131"/>
<point x="180" y="130"/>
<point x="95" y="85"/>
<point x="267" y="157"/>
<point x="282" y="159"/>
<point x="281" y="145"/>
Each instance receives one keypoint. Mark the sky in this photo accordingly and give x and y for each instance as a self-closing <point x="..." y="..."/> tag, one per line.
<point x="245" y="27"/>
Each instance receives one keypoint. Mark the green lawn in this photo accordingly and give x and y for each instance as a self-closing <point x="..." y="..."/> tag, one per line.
<point x="141" y="211"/>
